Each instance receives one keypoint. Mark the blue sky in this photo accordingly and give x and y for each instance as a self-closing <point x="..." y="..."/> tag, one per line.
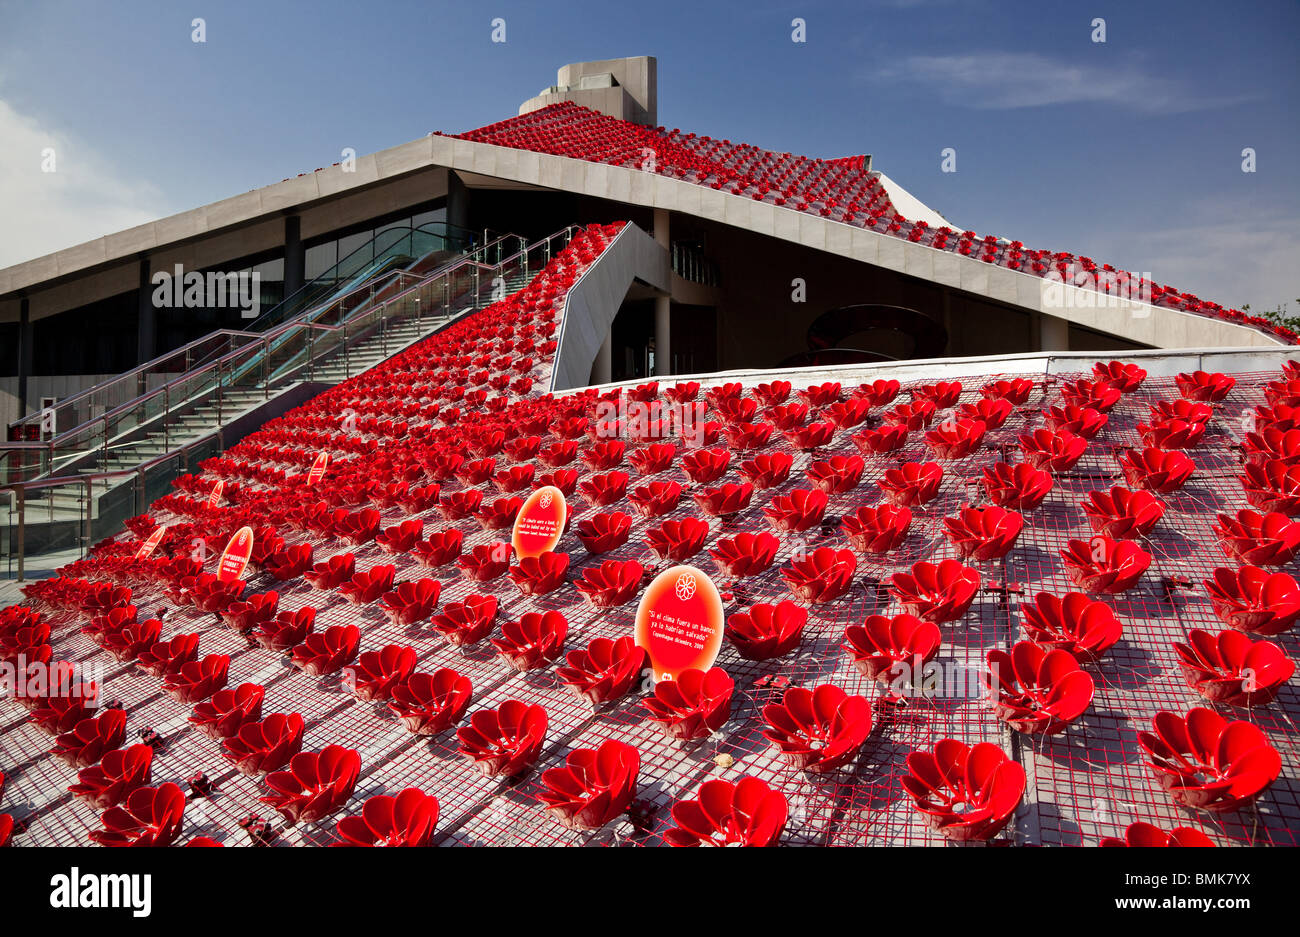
<point x="1127" y="151"/>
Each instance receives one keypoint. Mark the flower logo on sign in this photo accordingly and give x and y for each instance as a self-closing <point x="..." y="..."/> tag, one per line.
<point x="545" y="500"/>
<point x="685" y="586"/>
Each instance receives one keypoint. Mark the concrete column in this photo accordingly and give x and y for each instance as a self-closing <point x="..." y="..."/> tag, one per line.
<point x="295" y="255"/>
<point x="663" y="336"/>
<point x="147" y="328"/>
<point x="1053" y="333"/>
<point x="24" y="353"/>
<point x="457" y="201"/>
<point x="603" y="370"/>
<point x="661" y="228"/>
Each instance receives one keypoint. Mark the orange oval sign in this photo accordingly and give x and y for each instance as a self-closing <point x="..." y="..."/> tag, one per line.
<point x="214" y="499"/>
<point x="235" y="557"/>
<point x="679" y="622"/>
<point x="318" y="468"/>
<point x="540" y="522"/>
<point x="147" y="548"/>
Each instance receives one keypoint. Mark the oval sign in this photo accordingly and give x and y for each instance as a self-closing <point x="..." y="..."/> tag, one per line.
<point x="679" y="622"/>
<point x="540" y="522"/>
<point x="235" y="557"/>
<point x="214" y="499"/>
<point x="318" y="468"/>
<point x="155" y="538"/>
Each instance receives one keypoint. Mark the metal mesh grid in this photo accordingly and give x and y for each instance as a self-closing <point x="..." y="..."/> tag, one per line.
<point x="1089" y="782"/>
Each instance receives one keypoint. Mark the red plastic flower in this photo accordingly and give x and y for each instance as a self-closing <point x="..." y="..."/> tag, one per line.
<point x="503" y="742"/>
<point x="767" y="470"/>
<point x="936" y="592"/>
<point x="1036" y="690"/>
<point x="799" y="510"/>
<point x="594" y="786"/>
<point x="333" y="572"/>
<point x="1084" y="422"/>
<point x="887" y="438"/>
<point x="605" y="670"/>
<point x="725" y="500"/>
<point x="1127" y="377"/>
<point x="1272" y="486"/>
<point x="91" y="739"/>
<point x="818" y="730"/>
<point x="678" y="540"/>
<point x="287" y="629"/>
<point x="692" y="706"/>
<point x="1208" y="763"/>
<point x="108" y="783"/>
<point x="327" y="651"/>
<point x="1171" y="434"/>
<point x="655" y="498"/>
<point x="170" y="656"/>
<point x="468" y="622"/>
<point x="1258" y="539"/>
<point x="1076" y="623"/>
<point x="485" y="562"/>
<point x="956" y="439"/>
<point x="767" y="631"/>
<point x="1230" y="668"/>
<point x="943" y="394"/>
<point x="822" y="575"/>
<point x="992" y="412"/>
<point x="884" y="648"/>
<point x="911" y="483"/>
<point x="604" y="490"/>
<point x="412" y="602"/>
<point x="1252" y="599"/>
<point x="197" y="679"/>
<point x="878" y="393"/>
<point x="653" y="459"/>
<point x="611" y="583"/>
<point x="377" y="673"/>
<point x="1100" y="395"/>
<point x="966" y="793"/>
<point x="1020" y="486"/>
<point x="499" y="513"/>
<point x="704" y="466"/>
<point x="228" y="710"/>
<point x="533" y="641"/>
<point x="1203" y="386"/>
<point x="983" y="533"/>
<point x="400" y="538"/>
<point x="408" y="819"/>
<point x="1052" y="452"/>
<point x="601" y="533"/>
<point x="1103" y="564"/>
<point x="837" y="474"/>
<point x="316" y="784"/>
<point x="367" y="587"/>
<point x="431" y="703"/>
<point x="1123" y="514"/>
<point x="748" y="813"/>
<point x="259" y="747"/>
<point x="251" y="613"/>
<point x="1146" y="835"/>
<point x="152" y="816"/>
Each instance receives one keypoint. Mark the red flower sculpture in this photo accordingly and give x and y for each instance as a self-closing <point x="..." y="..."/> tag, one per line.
<point x="818" y="730"/>
<point x="1171" y="434"/>
<point x="1258" y="539"/>
<point x="1127" y="377"/>
<point x="412" y="602"/>
<point x="1020" y="487"/>
<point x="1272" y="486"/>
<point x="377" y="673"/>
<point x="678" y="540"/>
<point x="198" y="679"/>
<point x="499" y="513"/>
<point x="441" y="548"/>
<point x="289" y="563"/>
<point x="887" y="438"/>
<point x="327" y="651"/>
<point x="725" y="500"/>
<point x="653" y="459"/>
<point x="367" y="587"/>
<point x="878" y="529"/>
<point x="745" y="436"/>
<point x="767" y="470"/>
<point x="1076" y="623"/>
<point x="604" y="490"/>
<point x="611" y="583"/>
<point x="943" y="394"/>
<point x="1251" y="599"/>
<point x="601" y="533"/>
<point x="1204" y="387"/>
<point x="405" y="820"/>
<point x="485" y="562"/>
<point x="885" y="649"/>
<point x="503" y="742"/>
<point x="593" y="787"/>
<point x="170" y="656"/>
<point x="692" y="706"/>
<point x="983" y="533"/>
<point x="152" y="816"/>
<point x="1145" y="835"/>
<point x="797" y="511"/>
<point x="468" y="622"/>
<point x="400" y="538"/>
<point x="251" y="613"/>
<point x="655" y="498"/>
<point x="111" y="781"/>
<point x="965" y="793"/>
<point x="1208" y="763"/>
<point x="605" y="670"/>
<point x="956" y="439"/>
<point x="767" y="631"/>
<point x="989" y="411"/>
<point x="533" y="641"/>
<point x="837" y="474"/>
<point x="1230" y="668"/>
<point x="333" y="572"/>
<point x="822" y="575"/>
<point x="913" y="416"/>
<point x="287" y="629"/>
<point x="1036" y="690"/>
<point x="1084" y="422"/>
<point x="1099" y="395"/>
<point x="911" y="483"/>
<point x="703" y="466"/>
<point x="431" y="703"/>
<point x="228" y="711"/>
<point x="1052" y="452"/>
<point x="878" y="393"/>
<point x="538" y="575"/>
<point x="360" y="527"/>
<point x="748" y="813"/>
<point x="1103" y="564"/>
<point x="809" y="437"/>
<point x="936" y="592"/>
<point x="1123" y="514"/>
<point x="461" y="504"/>
<point x="316" y="784"/>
